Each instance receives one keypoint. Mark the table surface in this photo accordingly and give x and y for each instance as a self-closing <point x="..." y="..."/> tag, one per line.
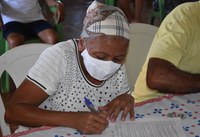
<point x="185" y="106"/>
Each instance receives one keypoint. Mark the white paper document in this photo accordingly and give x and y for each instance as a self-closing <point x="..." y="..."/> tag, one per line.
<point x="146" y="127"/>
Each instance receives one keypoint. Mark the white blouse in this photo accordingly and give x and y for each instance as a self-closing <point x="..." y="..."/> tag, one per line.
<point x="59" y="74"/>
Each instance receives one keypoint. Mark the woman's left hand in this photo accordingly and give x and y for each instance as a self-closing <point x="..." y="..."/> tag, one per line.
<point x="124" y="102"/>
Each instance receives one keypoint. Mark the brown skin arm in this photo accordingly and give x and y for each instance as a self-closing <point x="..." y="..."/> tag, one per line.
<point x="60" y="13"/>
<point x="124" y="5"/>
<point x="23" y="110"/>
<point x="165" y="77"/>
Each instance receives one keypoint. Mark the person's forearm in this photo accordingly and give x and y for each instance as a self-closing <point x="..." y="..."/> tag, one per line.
<point x="30" y="116"/>
<point x="59" y="12"/>
<point x="124" y="5"/>
<point x="51" y="2"/>
<point x="165" y="77"/>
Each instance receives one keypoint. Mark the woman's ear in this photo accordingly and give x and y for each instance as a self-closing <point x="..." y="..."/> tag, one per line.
<point x="81" y="45"/>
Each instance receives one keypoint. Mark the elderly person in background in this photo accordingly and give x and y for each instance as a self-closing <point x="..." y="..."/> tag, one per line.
<point x="23" y="19"/>
<point x="92" y="67"/>
<point x="172" y="65"/>
<point x="126" y="8"/>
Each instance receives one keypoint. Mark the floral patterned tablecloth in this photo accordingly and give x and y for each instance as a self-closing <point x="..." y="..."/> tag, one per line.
<point x="187" y="107"/>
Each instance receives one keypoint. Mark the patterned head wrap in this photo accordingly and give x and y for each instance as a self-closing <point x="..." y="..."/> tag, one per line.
<point x="103" y="19"/>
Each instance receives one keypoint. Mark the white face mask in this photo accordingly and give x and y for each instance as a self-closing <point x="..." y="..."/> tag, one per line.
<point x="99" y="69"/>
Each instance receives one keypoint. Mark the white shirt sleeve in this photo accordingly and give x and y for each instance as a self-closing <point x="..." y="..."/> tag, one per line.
<point x="48" y="71"/>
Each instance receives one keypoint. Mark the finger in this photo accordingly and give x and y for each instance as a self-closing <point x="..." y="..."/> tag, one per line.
<point x="124" y="114"/>
<point x="101" y="120"/>
<point x="107" y="108"/>
<point x="131" y="112"/>
<point x="110" y="112"/>
<point x="99" y="126"/>
<point x="97" y="130"/>
<point x="103" y="108"/>
<point x="95" y="124"/>
<point x="103" y="114"/>
<point x="92" y="130"/>
<point x="115" y="113"/>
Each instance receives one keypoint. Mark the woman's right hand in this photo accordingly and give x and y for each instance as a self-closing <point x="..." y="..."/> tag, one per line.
<point x="90" y="122"/>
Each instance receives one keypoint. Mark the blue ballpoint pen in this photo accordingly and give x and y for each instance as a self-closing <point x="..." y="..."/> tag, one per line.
<point x="90" y="105"/>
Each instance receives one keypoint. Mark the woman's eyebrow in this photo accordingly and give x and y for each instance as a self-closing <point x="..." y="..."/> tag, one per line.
<point x="100" y="52"/>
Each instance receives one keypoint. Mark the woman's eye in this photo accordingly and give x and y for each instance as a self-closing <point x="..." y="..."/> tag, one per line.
<point x="101" y="58"/>
<point x="116" y="60"/>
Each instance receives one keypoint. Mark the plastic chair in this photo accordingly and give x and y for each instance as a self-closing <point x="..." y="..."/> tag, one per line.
<point x="140" y="41"/>
<point x="158" y="12"/>
<point x="16" y="62"/>
<point x="5" y="47"/>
